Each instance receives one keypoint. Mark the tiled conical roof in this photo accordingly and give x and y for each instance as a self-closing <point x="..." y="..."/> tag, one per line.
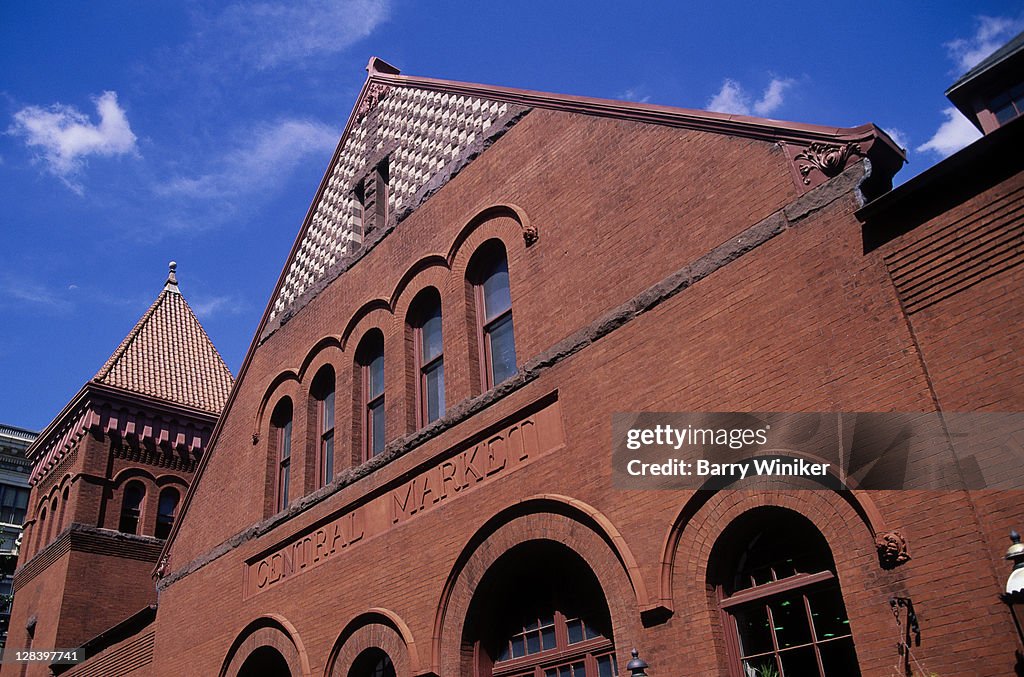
<point x="167" y="355"/>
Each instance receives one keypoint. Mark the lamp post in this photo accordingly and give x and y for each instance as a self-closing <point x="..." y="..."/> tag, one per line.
<point x="638" y="666"/>
<point x="1014" y="593"/>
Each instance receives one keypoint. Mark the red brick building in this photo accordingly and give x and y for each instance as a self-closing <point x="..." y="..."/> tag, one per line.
<point x="412" y="475"/>
<point x="110" y="472"/>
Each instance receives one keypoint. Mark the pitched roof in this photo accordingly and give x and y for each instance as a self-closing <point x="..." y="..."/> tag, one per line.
<point x="424" y="125"/>
<point x="993" y="59"/>
<point x="167" y="355"/>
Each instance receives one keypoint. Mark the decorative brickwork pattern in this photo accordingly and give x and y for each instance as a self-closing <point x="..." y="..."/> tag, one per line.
<point x="421" y="131"/>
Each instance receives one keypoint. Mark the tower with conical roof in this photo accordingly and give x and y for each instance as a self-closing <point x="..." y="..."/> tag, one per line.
<point x="109" y="474"/>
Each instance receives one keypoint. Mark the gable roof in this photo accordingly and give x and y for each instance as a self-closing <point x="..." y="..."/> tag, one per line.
<point x="423" y="125"/>
<point x="430" y="123"/>
<point x="168" y="356"/>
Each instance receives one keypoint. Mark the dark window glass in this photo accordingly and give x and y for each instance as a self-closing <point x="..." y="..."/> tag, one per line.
<point x="131" y="508"/>
<point x="429" y="357"/>
<point x="494" y="314"/>
<point x="166" y="510"/>
<point x="323" y="391"/>
<point x="13" y="504"/>
<point x="371" y="361"/>
<point x="792" y="619"/>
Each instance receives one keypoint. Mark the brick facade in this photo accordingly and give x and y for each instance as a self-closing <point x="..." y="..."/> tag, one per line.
<point x="655" y="264"/>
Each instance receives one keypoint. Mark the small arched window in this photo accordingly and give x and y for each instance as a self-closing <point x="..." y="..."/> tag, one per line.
<point x="63" y="508"/>
<point x="53" y="520"/>
<point x="323" y="394"/>
<point x="41" y="530"/>
<point x="780" y="598"/>
<point x="281" y="438"/>
<point x="131" y="508"/>
<point x="370" y="364"/>
<point x="488" y="274"/>
<point x="167" y="508"/>
<point x="428" y="353"/>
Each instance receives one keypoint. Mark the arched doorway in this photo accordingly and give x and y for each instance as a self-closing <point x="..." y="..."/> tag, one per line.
<point x="539" y="611"/>
<point x="781" y="605"/>
<point x="265" y="661"/>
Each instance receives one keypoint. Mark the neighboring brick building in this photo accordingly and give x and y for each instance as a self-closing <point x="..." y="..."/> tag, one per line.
<point x="413" y="473"/>
<point x="14" y="473"/>
<point x="108" y="476"/>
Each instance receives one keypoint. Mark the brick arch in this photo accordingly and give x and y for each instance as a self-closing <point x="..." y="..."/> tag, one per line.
<point x="433" y="266"/>
<point x="508" y="212"/>
<point x="375" y="629"/>
<point x="849" y="538"/>
<point x="273" y="631"/>
<point x="557" y="519"/>
<point x="858" y="500"/>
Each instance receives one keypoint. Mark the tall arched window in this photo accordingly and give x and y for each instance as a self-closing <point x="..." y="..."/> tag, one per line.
<point x="63" y="508"/>
<point x="131" y="508"/>
<point x="370" y="364"/>
<point x="488" y="273"/>
<point x="428" y="352"/>
<point x="41" y="530"/>
<point x="323" y="394"/>
<point x="167" y="508"/>
<point x="539" y="612"/>
<point x="281" y="438"/>
<point x="53" y="520"/>
<point x="781" y="603"/>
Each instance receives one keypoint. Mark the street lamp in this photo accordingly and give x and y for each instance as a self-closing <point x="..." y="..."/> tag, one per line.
<point x="1014" y="594"/>
<point x="638" y="666"/>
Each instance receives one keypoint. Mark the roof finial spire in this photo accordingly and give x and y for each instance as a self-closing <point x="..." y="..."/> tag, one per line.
<point x="172" y="278"/>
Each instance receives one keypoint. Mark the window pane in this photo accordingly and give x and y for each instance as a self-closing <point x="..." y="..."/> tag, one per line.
<point x="606" y="666"/>
<point x="328" y="458"/>
<point x="839" y="659"/>
<point x="801" y="662"/>
<point x="431" y="335"/>
<point x="755" y="632"/>
<point x="286" y="440"/>
<point x="548" y="638"/>
<point x="503" y="349"/>
<point x="285" y="477"/>
<point x="764" y="666"/>
<point x="327" y="412"/>
<point x="434" y="386"/>
<point x="575" y="628"/>
<point x="377" y="426"/>
<point x="497" y="298"/>
<point x="790" y="618"/>
<point x="828" y="614"/>
<point x="376" y="369"/>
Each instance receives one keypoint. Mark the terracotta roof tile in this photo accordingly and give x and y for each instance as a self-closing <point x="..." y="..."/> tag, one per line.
<point x="167" y="355"/>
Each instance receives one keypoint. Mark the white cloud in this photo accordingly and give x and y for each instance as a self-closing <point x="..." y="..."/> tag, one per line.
<point x="65" y="136"/>
<point x="269" y="152"/>
<point x="732" y="98"/>
<point x="952" y="135"/>
<point x="268" y="34"/>
<point x="20" y="291"/>
<point x="898" y="136"/>
<point x="206" y="307"/>
<point x="634" y="94"/>
<point x="990" y="34"/>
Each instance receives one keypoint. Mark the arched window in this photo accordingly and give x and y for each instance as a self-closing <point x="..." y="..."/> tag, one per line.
<point x="780" y="599"/>
<point x="370" y="364"/>
<point x="488" y="273"/>
<point x="63" y="509"/>
<point x="53" y="520"/>
<point x="323" y="394"/>
<point x="167" y="508"/>
<point x="428" y="354"/>
<point x="372" y="663"/>
<point x="131" y="508"/>
<point x="265" y="661"/>
<point x="41" y="530"/>
<point x="539" y="612"/>
<point x="281" y="439"/>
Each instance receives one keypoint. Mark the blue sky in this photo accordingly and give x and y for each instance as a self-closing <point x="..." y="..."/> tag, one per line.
<point x="135" y="133"/>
